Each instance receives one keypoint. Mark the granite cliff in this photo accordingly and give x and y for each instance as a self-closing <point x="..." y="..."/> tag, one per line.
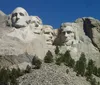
<point x="23" y="36"/>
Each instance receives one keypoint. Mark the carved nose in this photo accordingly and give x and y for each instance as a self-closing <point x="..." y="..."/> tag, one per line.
<point x="17" y="19"/>
<point x="18" y="16"/>
<point x="66" y="35"/>
<point x="50" y="37"/>
<point x="50" y="34"/>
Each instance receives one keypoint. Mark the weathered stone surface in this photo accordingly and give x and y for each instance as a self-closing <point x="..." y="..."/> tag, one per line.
<point x="19" y="17"/>
<point x="22" y="66"/>
<point x="48" y="34"/>
<point x="51" y="74"/>
<point x="3" y="18"/>
<point x="18" y="38"/>
<point x="71" y="37"/>
<point x="20" y="41"/>
<point x="2" y="13"/>
<point x="33" y="37"/>
<point x="36" y="24"/>
<point x="91" y="28"/>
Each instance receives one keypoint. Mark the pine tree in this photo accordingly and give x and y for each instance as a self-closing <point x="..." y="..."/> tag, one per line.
<point x="28" y="69"/>
<point x="90" y="68"/>
<point x="98" y="83"/>
<point x="57" y="50"/>
<point x="37" y="62"/>
<point x="98" y="72"/>
<point x="95" y="70"/>
<point x="71" y="63"/>
<point x="19" y="72"/>
<point x="48" y="58"/>
<point x="4" y="76"/>
<point x="67" y="71"/>
<point x="93" y="81"/>
<point x="15" y="73"/>
<point x="66" y="58"/>
<point x="60" y="59"/>
<point x="81" y="65"/>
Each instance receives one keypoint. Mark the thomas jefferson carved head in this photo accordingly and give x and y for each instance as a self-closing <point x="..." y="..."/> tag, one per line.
<point x="36" y="24"/>
<point x="36" y="21"/>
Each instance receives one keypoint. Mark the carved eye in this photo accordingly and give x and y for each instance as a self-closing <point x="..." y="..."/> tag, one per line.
<point x="33" y="22"/>
<point x="52" y="33"/>
<point x="63" y="33"/>
<point x="36" y="25"/>
<point x="38" y="22"/>
<point x="68" y="32"/>
<point x="14" y="14"/>
<point x="64" y="26"/>
<point x="47" y="32"/>
<point x="21" y="14"/>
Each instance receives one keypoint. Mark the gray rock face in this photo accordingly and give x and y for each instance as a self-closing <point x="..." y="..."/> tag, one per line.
<point x="51" y="74"/>
<point x="89" y="33"/>
<point x="91" y="29"/>
<point x="15" y="42"/>
<point x="19" y="17"/>
<point x="76" y="41"/>
<point x="2" y="13"/>
<point x="3" y="18"/>
<point x="78" y="37"/>
<point x="20" y="41"/>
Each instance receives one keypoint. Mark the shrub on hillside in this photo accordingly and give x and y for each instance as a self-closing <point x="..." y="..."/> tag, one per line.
<point x="28" y="69"/>
<point x="90" y="68"/>
<point x="37" y="62"/>
<point x="98" y="72"/>
<point x="9" y="76"/>
<point x="48" y="58"/>
<point x="71" y="63"/>
<point x="59" y="60"/>
<point x="67" y="58"/>
<point x="81" y="65"/>
<point x="57" y="50"/>
<point x="93" y="81"/>
<point x="95" y="71"/>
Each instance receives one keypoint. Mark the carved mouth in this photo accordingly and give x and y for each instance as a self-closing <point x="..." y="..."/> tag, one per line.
<point x="49" y="43"/>
<point x="67" y="39"/>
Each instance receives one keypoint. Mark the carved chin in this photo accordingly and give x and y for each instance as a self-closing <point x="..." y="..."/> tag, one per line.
<point x="19" y="25"/>
<point x="68" y="43"/>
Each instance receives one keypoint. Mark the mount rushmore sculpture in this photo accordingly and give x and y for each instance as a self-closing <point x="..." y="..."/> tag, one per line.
<point x="24" y="33"/>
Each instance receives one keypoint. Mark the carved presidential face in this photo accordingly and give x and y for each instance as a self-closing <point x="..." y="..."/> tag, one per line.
<point x="36" y="21"/>
<point x="48" y="33"/>
<point x="68" y="35"/>
<point x="36" y="24"/>
<point x="18" y="17"/>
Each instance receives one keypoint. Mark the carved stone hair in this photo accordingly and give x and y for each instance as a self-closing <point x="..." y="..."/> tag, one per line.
<point x="20" y="9"/>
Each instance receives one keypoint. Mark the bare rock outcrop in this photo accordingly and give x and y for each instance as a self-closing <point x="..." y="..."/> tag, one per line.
<point x="71" y="36"/>
<point x="51" y="74"/>
<point x="91" y="28"/>
<point x="23" y="33"/>
<point x="23" y="36"/>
